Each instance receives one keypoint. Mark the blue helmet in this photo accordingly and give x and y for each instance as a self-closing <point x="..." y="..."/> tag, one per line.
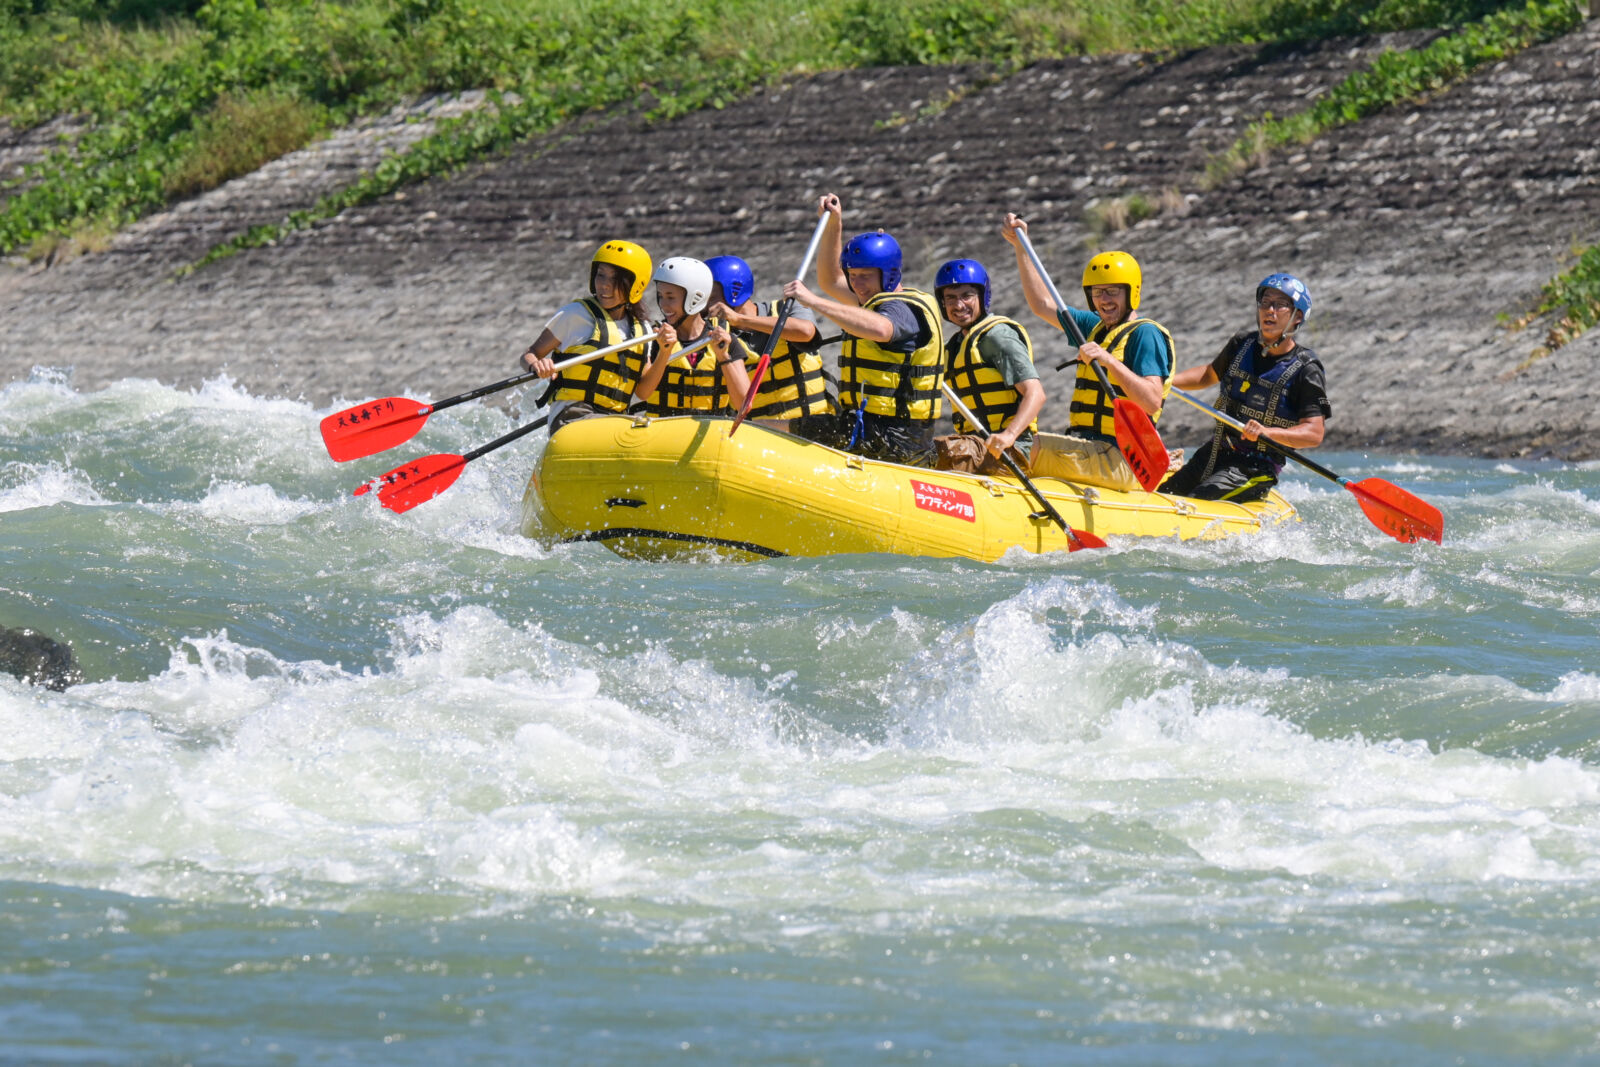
<point x="734" y="275"/>
<point x="1289" y="286"/>
<point x="961" y="272"/>
<point x="869" y="250"/>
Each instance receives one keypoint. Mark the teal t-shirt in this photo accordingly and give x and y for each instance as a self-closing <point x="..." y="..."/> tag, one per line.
<point x="1146" y="354"/>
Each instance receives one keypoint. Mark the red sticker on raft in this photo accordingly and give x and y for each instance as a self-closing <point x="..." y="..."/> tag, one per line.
<point x="944" y="500"/>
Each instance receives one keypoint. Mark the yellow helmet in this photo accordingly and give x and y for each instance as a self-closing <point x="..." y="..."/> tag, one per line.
<point x="1114" y="268"/>
<point x="625" y="256"/>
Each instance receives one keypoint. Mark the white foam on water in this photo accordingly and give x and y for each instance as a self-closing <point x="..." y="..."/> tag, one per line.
<point x="493" y="758"/>
<point x="24" y="486"/>
<point x="253" y="505"/>
<point x="1575" y="685"/>
<point x="1411" y="588"/>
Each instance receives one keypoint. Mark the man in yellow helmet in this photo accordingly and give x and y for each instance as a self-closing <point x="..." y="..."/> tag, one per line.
<point x="610" y="314"/>
<point x="893" y="358"/>
<point x="1136" y="353"/>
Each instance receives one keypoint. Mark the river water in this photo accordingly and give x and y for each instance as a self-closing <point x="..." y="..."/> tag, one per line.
<point x="347" y="786"/>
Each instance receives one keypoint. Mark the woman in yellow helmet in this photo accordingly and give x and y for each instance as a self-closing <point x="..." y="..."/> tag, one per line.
<point x="611" y="313"/>
<point x="1136" y="353"/>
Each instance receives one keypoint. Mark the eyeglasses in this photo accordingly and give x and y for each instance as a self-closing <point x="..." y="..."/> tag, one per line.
<point x="1274" y="305"/>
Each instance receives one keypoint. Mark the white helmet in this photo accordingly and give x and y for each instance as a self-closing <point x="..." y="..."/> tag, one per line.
<point x="693" y="275"/>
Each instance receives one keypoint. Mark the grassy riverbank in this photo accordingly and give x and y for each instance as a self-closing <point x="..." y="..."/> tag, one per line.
<point x="174" y="97"/>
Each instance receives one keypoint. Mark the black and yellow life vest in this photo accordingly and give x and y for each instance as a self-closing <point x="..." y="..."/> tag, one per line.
<point x="882" y="382"/>
<point x="1251" y="392"/>
<point x="1091" y="408"/>
<point x="687" y="387"/>
<point x="606" y="382"/>
<point x="979" y="384"/>
<point x="795" y="383"/>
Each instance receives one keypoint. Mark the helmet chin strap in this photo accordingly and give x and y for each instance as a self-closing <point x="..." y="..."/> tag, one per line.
<point x="1287" y="335"/>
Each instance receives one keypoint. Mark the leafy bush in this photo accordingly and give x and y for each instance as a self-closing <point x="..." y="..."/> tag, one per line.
<point x="1576" y="294"/>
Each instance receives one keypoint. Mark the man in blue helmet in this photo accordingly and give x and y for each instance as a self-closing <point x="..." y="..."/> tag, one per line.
<point x="989" y="363"/>
<point x="795" y="383"/>
<point x="893" y="358"/>
<point x="1271" y="383"/>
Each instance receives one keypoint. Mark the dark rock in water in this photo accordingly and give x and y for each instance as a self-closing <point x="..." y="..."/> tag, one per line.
<point x="37" y="659"/>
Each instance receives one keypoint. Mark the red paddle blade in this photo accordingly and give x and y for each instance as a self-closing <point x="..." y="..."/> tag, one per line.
<point x="1403" y="516"/>
<point x="1077" y="539"/>
<point x="370" y="428"/>
<point x="416" y="482"/>
<point x="1140" y="443"/>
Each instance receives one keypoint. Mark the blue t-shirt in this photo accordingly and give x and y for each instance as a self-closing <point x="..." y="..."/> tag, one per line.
<point x="1146" y="354"/>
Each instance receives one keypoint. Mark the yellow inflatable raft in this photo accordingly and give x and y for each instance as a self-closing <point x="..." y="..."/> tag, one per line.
<point x="655" y="488"/>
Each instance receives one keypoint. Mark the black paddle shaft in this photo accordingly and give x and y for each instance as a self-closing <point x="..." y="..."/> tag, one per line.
<point x="507" y="383"/>
<point x="521" y="431"/>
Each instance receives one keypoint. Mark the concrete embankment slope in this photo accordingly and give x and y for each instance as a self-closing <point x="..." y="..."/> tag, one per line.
<point x="1418" y="231"/>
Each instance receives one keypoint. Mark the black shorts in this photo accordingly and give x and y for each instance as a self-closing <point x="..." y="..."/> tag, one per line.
<point x="1236" y="477"/>
<point x="906" y="441"/>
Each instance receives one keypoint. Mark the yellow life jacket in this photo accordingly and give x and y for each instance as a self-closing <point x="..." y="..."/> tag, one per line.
<point x="687" y="387"/>
<point x="881" y="382"/>
<point x="1091" y="408"/>
<point x="795" y="383"/>
<point x="981" y="386"/>
<point x="606" y="382"/>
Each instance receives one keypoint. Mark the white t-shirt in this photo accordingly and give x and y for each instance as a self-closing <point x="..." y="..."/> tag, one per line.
<point x="571" y="325"/>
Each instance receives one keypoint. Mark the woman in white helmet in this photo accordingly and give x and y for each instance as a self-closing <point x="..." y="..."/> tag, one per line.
<point x="710" y="381"/>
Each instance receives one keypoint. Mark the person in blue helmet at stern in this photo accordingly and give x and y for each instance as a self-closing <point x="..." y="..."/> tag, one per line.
<point x="989" y="364"/>
<point x="892" y="361"/>
<point x="1271" y="383"/>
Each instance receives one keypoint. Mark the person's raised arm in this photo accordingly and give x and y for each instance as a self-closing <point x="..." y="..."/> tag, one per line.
<point x="831" y="278"/>
<point x="1033" y="287"/>
<point x="537" y="357"/>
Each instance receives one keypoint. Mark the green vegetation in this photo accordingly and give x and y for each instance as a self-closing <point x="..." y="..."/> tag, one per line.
<point x="175" y="96"/>
<point x="1575" y="294"/>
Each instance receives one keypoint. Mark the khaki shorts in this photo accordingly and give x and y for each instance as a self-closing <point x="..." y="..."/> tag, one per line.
<point x="1080" y="460"/>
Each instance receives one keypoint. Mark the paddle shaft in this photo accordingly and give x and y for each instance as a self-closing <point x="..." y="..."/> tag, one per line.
<point x="519" y="379"/>
<point x="972" y="420"/>
<point x="1400" y="514"/>
<point x="777" y="327"/>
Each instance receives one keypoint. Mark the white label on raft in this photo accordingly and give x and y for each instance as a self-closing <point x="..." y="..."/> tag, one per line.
<point x="944" y="500"/>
